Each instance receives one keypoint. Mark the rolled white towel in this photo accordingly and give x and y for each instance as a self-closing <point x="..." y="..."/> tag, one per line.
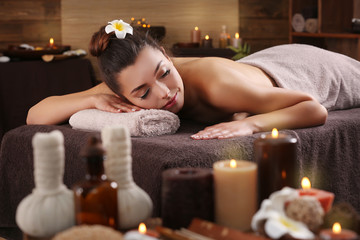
<point x="143" y="123"/>
<point x="311" y="25"/>
<point x="298" y="22"/>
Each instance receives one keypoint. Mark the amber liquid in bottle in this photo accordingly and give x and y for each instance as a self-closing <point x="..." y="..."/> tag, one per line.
<point x="96" y="196"/>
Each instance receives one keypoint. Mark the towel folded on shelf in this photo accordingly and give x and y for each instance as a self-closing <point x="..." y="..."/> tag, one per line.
<point x="143" y="123"/>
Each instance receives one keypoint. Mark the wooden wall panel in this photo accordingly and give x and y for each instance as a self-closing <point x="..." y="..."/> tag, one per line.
<point x="264" y="23"/>
<point x="32" y="22"/>
<point x="80" y="19"/>
<point x="356" y="8"/>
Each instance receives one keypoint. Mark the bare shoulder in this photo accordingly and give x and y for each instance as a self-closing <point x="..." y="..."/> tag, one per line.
<point x="101" y="88"/>
<point x="226" y="84"/>
<point x="221" y="70"/>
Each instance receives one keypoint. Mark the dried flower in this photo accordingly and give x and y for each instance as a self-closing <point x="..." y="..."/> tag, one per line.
<point x="277" y="224"/>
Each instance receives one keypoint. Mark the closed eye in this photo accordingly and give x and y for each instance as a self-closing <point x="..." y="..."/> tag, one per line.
<point x="167" y="72"/>
<point x="145" y="94"/>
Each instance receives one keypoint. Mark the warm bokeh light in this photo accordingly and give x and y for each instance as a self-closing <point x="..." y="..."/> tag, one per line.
<point x="305" y="183"/>
<point x="132" y="19"/>
<point x="336" y="228"/>
<point x="275" y="133"/>
<point x="207" y="37"/>
<point x="237" y="36"/>
<point x="233" y="163"/>
<point x="142" y="228"/>
<point x="51" y="41"/>
<point x="196" y="28"/>
<point x="283" y="174"/>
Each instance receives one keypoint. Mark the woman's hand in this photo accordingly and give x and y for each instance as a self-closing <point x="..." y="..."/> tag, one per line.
<point x="225" y="130"/>
<point x="112" y="103"/>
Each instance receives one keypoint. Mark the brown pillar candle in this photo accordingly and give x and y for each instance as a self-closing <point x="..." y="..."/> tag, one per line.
<point x="207" y="42"/>
<point x="275" y="155"/>
<point x="186" y="193"/>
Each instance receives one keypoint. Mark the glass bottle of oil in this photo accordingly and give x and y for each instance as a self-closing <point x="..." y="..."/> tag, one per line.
<point x="224" y="39"/>
<point x="96" y="196"/>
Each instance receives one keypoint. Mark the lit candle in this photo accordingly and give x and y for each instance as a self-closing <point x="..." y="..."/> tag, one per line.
<point x="140" y="234"/>
<point x="236" y="42"/>
<point x="275" y="155"/>
<point x="186" y="193"/>
<point x="235" y="193"/>
<point x="207" y="42"/>
<point x="325" y="198"/>
<point x="51" y="43"/>
<point x="195" y="35"/>
<point x="336" y="233"/>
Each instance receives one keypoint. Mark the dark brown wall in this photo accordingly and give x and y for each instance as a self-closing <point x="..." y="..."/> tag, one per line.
<point x="32" y="22"/>
<point x="264" y="23"/>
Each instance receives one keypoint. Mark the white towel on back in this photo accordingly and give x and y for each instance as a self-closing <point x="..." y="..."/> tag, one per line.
<point x="332" y="78"/>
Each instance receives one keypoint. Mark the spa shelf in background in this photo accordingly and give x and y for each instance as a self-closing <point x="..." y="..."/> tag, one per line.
<point x="326" y="24"/>
<point x="180" y="51"/>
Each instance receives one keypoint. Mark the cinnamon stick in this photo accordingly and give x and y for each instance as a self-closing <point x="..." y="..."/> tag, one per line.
<point x="212" y="230"/>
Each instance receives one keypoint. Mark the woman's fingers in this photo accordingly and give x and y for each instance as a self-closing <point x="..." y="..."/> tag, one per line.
<point x="223" y="131"/>
<point x="111" y="103"/>
<point x="124" y="107"/>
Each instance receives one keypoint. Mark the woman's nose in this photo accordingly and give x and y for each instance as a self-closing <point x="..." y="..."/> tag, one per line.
<point x="164" y="91"/>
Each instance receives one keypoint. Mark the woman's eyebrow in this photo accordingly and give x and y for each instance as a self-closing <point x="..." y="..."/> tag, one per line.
<point x="138" y="88"/>
<point x="157" y="67"/>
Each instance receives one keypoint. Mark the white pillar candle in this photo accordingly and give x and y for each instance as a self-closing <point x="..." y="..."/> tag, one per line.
<point x="235" y="193"/>
<point x="236" y="42"/>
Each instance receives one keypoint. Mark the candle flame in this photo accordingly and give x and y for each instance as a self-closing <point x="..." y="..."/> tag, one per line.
<point x="305" y="183"/>
<point x="196" y="28"/>
<point x="51" y="41"/>
<point x="207" y="37"/>
<point x="275" y="133"/>
<point x="237" y="36"/>
<point x="233" y="163"/>
<point x="336" y="228"/>
<point x="142" y="228"/>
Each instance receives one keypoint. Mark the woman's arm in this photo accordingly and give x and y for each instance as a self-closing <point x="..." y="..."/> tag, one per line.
<point x="303" y="114"/>
<point x="57" y="109"/>
<point x="271" y="107"/>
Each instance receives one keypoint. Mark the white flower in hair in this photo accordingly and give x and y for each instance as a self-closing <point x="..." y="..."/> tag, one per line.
<point x="120" y="27"/>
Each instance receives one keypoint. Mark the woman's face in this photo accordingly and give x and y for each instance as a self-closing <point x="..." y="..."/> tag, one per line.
<point x="152" y="82"/>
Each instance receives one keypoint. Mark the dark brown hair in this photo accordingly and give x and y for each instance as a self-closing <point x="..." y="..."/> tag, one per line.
<point x="115" y="54"/>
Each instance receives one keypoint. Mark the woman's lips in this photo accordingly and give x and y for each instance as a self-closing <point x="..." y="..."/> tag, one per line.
<point x="171" y="102"/>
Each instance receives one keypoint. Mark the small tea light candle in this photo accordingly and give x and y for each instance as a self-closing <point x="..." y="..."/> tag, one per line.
<point x="51" y="44"/>
<point x="236" y="42"/>
<point x="235" y="193"/>
<point x="207" y="42"/>
<point x="141" y="234"/>
<point x="195" y="35"/>
<point x="325" y="198"/>
<point x="336" y="233"/>
<point x="275" y="155"/>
